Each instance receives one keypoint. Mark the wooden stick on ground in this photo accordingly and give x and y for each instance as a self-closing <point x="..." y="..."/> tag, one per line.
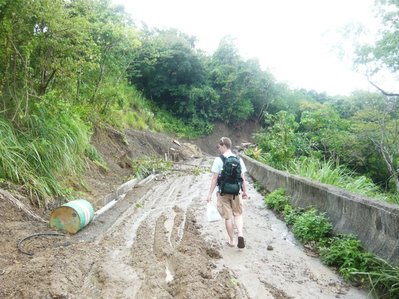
<point x="5" y="195"/>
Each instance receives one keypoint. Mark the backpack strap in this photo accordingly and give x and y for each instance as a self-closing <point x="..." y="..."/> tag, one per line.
<point x="223" y="158"/>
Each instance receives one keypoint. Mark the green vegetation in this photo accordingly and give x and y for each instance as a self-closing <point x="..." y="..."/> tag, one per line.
<point x="277" y="142"/>
<point x="343" y="251"/>
<point x="168" y="123"/>
<point x="311" y="226"/>
<point x="322" y="145"/>
<point x="277" y="200"/>
<point x="383" y="279"/>
<point x="147" y="165"/>
<point x="75" y="65"/>
<point x="325" y="172"/>
<point x="53" y="144"/>
<point x="346" y="253"/>
<point x="291" y="214"/>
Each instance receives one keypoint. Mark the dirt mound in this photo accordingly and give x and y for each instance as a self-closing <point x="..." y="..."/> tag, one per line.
<point x="118" y="150"/>
<point x="238" y="133"/>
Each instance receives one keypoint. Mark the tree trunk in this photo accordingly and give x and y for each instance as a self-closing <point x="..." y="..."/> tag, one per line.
<point x="389" y="162"/>
<point x="396" y="178"/>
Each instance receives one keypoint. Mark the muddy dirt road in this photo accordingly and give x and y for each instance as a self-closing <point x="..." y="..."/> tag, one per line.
<point x="157" y="243"/>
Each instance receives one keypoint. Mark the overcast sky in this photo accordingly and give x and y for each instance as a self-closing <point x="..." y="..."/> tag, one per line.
<point x="294" y="39"/>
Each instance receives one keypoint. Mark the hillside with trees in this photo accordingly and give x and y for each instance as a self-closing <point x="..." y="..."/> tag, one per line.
<point x="68" y="67"/>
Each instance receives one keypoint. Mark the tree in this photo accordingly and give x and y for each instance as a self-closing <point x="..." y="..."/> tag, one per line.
<point x="325" y="129"/>
<point x="257" y="85"/>
<point x="383" y="54"/>
<point x="227" y="78"/>
<point x="58" y="60"/>
<point x="116" y="41"/>
<point x="279" y="140"/>
<point x="67" y="48"/>
<point x="170" y="71"/>
<point x="380" y="124"/>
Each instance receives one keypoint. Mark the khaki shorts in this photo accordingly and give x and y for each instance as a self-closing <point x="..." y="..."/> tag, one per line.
<point x="229" y="205"/>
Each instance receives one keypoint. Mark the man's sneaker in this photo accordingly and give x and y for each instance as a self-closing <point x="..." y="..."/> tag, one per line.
<point x="241" y="243"/>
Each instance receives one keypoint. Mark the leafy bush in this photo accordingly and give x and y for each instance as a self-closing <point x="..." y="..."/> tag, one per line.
<point x="312" y="226"/>
<point x="346" y="253"/>
<point x="277" y="200"/>
<point x="291" y="214"/>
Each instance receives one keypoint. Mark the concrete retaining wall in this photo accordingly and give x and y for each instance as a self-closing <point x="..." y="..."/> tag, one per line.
<point x="375" y="223"/>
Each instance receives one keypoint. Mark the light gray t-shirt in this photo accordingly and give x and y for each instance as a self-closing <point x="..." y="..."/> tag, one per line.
<point x="218" y="163"/>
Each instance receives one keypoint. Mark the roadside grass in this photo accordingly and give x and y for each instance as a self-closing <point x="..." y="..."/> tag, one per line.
<point x="342" y="251"/>
<point x="327" y="173"/>
<point x="49" y="147"/>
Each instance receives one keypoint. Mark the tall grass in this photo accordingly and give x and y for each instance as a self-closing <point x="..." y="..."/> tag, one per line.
<point x="49" y="147"/>
<point x="60" y="138"/>
<point x="384" y="279"/>
<point x="326" y="172"/>
<point x="15" y="165"/>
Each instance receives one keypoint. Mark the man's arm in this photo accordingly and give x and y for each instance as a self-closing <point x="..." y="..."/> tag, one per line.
<point x="244" y="186"/>
<point x="214" y="183"/>
<point x="244" y="181"/>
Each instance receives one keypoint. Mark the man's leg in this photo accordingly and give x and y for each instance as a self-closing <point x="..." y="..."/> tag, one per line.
<point x="224" y="208"/>
<point x="230" y="230"/>
<point x="239" y="224"/>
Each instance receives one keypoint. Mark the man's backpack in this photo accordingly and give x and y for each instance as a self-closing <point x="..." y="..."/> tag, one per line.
<point x="230" y="180"/>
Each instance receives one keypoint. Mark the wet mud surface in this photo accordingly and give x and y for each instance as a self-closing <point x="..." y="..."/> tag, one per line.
<point x="156" y="243"/>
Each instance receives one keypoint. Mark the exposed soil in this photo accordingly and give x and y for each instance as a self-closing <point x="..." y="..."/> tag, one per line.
<point x="156" y="242"/>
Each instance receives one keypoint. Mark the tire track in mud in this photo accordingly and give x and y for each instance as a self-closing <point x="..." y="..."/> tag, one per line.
<point x="155" y="249"/>
<point x="163" y="247"/>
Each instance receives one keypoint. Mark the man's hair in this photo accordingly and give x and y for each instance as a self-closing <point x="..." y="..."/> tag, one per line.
<point x="225" y="141"/>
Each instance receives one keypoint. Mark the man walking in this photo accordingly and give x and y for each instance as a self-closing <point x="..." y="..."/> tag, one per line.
<point x="229" y="205"/>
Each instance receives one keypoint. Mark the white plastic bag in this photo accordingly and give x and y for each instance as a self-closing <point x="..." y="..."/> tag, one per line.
<point x="212" y="212"/>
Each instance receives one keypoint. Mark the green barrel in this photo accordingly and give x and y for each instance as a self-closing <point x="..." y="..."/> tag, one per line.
<point x="72" y="216"/>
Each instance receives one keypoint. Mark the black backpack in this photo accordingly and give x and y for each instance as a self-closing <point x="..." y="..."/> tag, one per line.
<point x="230" y="180"/>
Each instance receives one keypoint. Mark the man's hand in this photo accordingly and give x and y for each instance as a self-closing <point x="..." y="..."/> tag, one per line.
<point x="209" y="198"/>
<point x="244" y="195"/>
